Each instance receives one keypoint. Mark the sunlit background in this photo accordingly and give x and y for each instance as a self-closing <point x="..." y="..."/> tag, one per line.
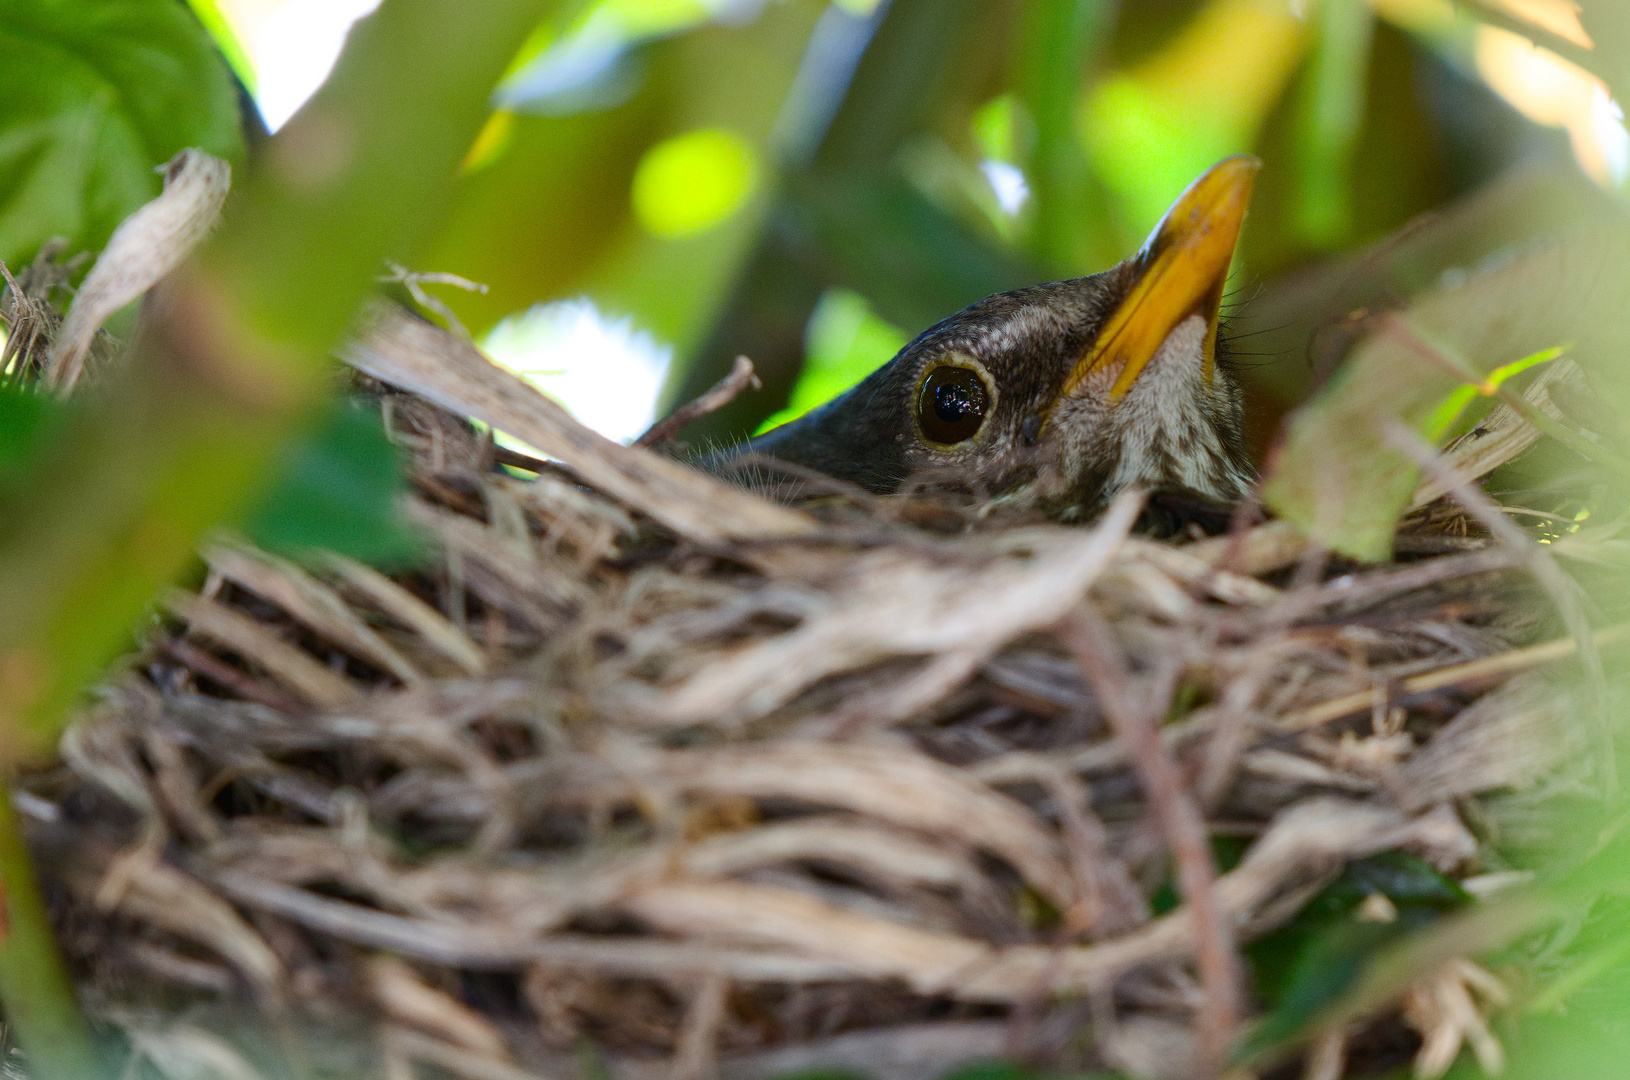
<point x="1145" y="127"/>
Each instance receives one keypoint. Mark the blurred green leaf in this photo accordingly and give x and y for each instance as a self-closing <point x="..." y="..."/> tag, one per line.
<point x="534" y="218"/>
<point x="870" y="92"/>
<point x="1340" y="479"/>
<point x="1608" y="24"/>
<point x="226" y="39"/>
<point x="338" y="490"/>
<point x="721" y="78"/>
<point x="94" y="95"/>
<point x="915" y="263"/>
<point x="28" y="420"/>
<point x="1060" y="41"/>
<point x="1595" y="966"/>
<point x="1002" y="130"/>
<point x="1300" y="325"/>
<point x="551" y="214"/>
<point x="692" y="182"/>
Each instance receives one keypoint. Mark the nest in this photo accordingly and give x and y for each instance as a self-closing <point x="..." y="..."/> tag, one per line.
<point x="645" y="776"/>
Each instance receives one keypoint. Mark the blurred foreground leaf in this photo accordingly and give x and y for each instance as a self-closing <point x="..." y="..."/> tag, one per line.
<point x="1337" y="476"/>
<point x="94" y="95"/>
<point x="27" y="422"/>
<point x="226" y="39"/>
<point x="231" y="365"/>
<point x="337" y="491"/>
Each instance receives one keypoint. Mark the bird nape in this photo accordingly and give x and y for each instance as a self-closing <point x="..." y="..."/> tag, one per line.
<point x="1055" y="397"/>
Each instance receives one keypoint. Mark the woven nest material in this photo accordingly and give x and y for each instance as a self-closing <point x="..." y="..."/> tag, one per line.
<point x="648" y="776"/>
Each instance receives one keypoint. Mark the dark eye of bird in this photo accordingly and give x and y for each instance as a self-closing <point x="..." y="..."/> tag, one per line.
<point x="952" y="404"/>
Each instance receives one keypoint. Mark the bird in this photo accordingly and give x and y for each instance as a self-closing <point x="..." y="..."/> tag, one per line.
<point x="1054" y="398"/>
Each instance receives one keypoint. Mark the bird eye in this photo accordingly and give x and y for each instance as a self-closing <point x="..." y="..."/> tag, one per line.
<point x="952" y="404"/>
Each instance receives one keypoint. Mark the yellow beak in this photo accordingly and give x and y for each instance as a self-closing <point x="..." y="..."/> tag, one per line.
<point x="1180" y="272"/>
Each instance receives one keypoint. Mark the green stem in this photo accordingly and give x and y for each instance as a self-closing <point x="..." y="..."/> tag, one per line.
<point x="39" y="996"/>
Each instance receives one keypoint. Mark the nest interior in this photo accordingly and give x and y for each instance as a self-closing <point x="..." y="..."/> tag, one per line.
<point x="641" y="775"/>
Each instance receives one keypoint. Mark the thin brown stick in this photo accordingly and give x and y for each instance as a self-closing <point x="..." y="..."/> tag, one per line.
<point x="291" y="666"/>
<point x="1350" y="594"/>
<point x="1327" y="1057"/>
<point x="230" y="678"/>
<point x="1236" y="720"/>
<point x="1179" y="819"/>
<point x="717" y="397"/>
<point x="503" y="455"/>
<point x="1110" y="901"/>
<point x="1484" y="668"/>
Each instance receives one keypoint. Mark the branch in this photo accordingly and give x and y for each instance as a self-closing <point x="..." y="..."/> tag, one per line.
<point x="717" y="397"/>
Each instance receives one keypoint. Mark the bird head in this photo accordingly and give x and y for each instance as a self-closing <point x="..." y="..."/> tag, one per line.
<point x="1054" y="397"/>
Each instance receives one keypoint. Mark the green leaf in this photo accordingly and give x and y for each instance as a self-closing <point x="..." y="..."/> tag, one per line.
<point x="226" y="39"/>
<point x="338" y="491"/>
<point x="94" y="96"/>
<point x="1152" y="128"/>
<point x="27" y="422"/>
<point x="1061" y="41"/>
<point x="1317" y="957"/>
<point x="1443" y="418"/>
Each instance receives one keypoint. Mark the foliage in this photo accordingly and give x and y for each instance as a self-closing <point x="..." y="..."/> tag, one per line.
<point x="94" y="94"/>
<point x="844" y="153"/>
<point x="27" y="423"/>
<point x="1319" y="955"/>
<point x="872" y="167"/>
<point x="1341" y="478"/>
<point x="180" y="439"/>
<point x="337" y="491"/>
